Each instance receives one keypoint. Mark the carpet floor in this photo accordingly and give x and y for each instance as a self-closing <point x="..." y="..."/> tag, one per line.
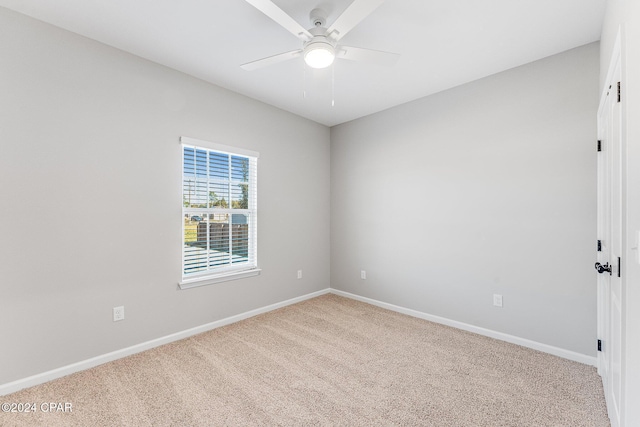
<point x="328" y="361"/>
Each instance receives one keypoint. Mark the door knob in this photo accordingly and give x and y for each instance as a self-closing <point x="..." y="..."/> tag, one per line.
<point x="602" y="268"/>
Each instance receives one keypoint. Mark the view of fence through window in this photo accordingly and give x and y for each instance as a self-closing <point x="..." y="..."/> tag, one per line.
<point x="216" y="198"/>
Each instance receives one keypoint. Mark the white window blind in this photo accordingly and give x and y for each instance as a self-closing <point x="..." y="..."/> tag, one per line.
<point x="219" y="207"/>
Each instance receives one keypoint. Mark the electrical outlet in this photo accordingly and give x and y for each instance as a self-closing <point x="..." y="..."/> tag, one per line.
<point x="118" y="313"/>
<point x="299" y="274"/>
<point x="363" y="274"/>
<point x="497" y="300"/>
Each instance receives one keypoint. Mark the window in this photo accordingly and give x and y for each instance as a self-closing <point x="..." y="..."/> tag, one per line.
<point x="219" y="213"/>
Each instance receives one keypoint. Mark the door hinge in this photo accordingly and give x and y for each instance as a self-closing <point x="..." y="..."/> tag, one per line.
<point x="618" y="91"/>
<point x="619" y="266"/>
<point x="599" y="245"/>
<point x="599" y="345"/>
<point x="599" y="145"/>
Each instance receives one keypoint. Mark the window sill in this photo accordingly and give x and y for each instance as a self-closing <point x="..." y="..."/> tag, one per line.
<point x="222" y="277"/>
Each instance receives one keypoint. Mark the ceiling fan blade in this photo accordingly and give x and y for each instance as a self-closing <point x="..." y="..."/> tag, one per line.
<point x="271" y="60"/>
<point x="287" y="22"/>
<point x="356" y="12"/>
<point x="372" y="56"/>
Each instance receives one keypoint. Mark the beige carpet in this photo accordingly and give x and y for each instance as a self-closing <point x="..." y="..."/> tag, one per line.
<point x="326" y="361"/>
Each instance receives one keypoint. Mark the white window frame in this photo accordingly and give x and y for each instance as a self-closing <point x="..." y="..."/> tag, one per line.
<point x="228" y="271"/>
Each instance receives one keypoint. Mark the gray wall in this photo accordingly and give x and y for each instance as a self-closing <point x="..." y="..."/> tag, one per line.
<point x="90" y="217"/>
<point x="486" y="188"/>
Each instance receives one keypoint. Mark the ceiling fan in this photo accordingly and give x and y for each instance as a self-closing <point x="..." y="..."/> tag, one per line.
<point x="320" y="44"/>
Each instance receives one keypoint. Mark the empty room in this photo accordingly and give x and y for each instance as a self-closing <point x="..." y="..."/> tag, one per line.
<point x="340" y="212"/>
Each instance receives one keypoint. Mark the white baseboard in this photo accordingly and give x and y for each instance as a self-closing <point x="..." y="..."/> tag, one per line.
<point x="44" y="377"/>
<point x="545" y="348"/>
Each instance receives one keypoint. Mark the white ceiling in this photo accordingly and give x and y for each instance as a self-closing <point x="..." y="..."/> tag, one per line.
<point x="442" y="44"/>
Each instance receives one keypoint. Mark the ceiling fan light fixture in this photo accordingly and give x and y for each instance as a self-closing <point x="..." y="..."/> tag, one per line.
<point x="319" y="54"/>
<point x="321" y="45"/>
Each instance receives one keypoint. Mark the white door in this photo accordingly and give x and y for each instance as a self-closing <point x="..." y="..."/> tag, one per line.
<point x="610" y="235"/>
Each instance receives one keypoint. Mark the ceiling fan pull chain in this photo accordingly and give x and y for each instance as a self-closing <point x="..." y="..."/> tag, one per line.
<point x="333" y="85"/>
<point x="304" y="80"/>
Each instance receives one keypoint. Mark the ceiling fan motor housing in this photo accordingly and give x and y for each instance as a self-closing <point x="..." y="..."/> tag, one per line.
<point x="319" y="52"/>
